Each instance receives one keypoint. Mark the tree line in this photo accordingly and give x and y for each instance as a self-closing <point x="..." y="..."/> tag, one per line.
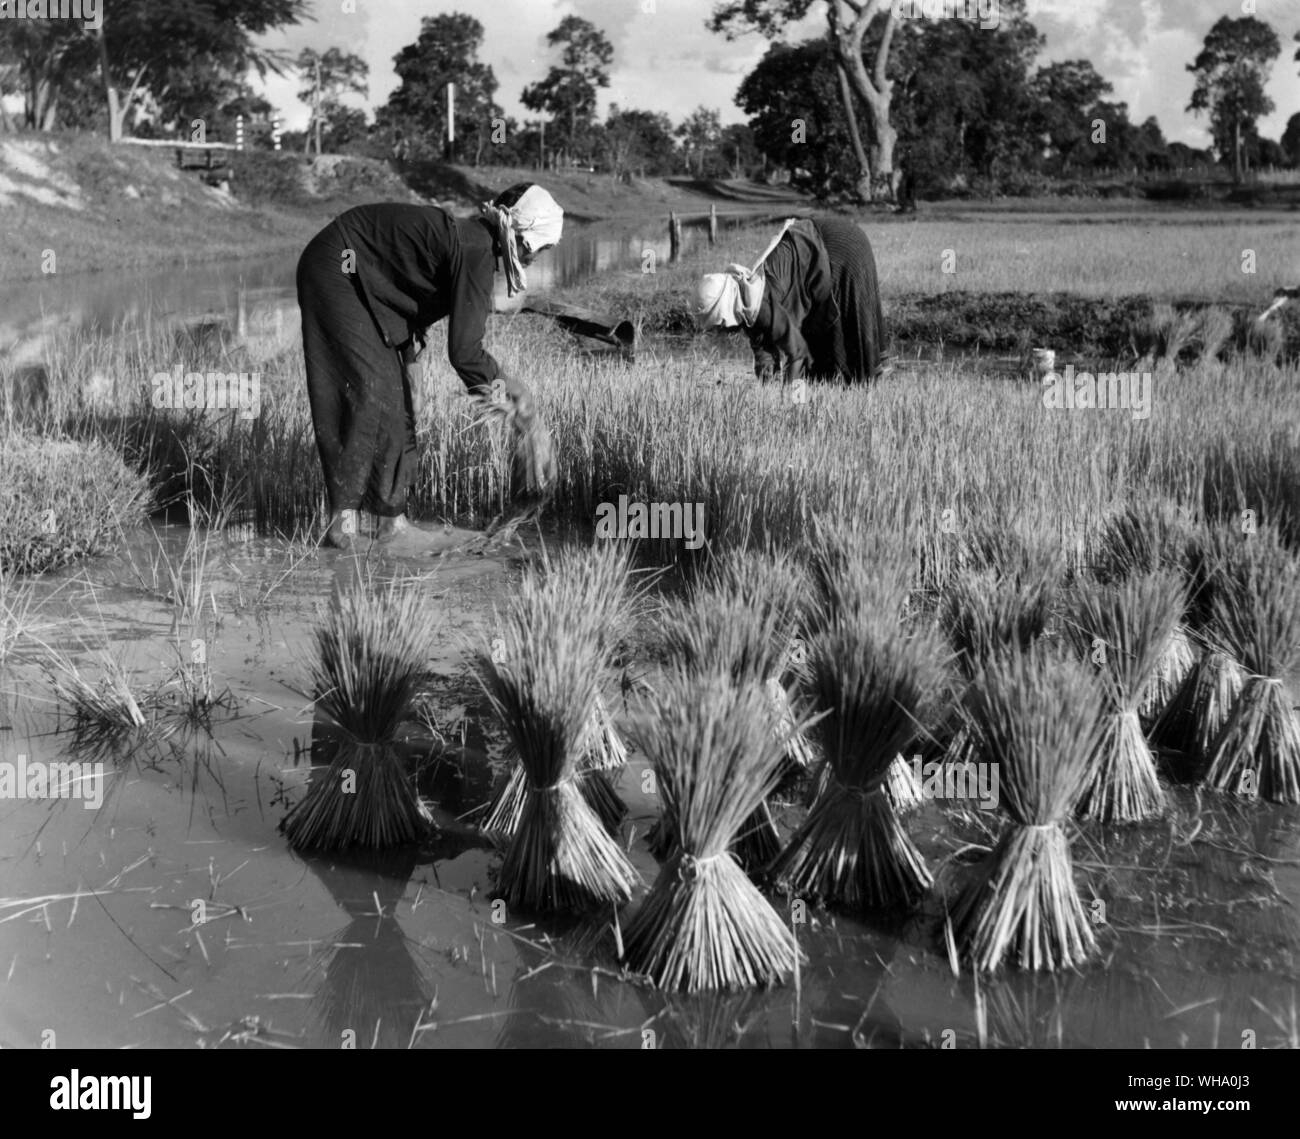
<point x="947" y="104"/>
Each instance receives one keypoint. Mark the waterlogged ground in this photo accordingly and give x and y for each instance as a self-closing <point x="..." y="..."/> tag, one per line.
<point x="99" y="944"/>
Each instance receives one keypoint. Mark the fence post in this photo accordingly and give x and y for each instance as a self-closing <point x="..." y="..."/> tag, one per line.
<point x="674" y="236"/>
<point x="713" y="223"/>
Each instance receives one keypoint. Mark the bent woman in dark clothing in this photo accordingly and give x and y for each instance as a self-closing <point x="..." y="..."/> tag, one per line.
<point x="811" y="305"/>
<point x="369" y="285"/>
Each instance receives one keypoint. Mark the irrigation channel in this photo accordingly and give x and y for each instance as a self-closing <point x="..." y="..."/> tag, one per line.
<point x="100" y="942"/>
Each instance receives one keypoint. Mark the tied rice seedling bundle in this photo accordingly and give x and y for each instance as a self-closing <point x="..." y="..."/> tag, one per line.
<point x="856" y="569"/>
<point x="1257" y="621"/>
<point x="704" y="925"/>
<point x="990" y="612"/>
<point x="1040" y="717"/>
<point x="1122" y="629"/>
<point x="1195" y="713"/>
<point x="876" y="687"/>
<point x="1148" y="537"/>
<point x="601" y="748"/>
<point x="369" y="659"/>
<point x="739" y="624"/>
<point x="543" y="687"/>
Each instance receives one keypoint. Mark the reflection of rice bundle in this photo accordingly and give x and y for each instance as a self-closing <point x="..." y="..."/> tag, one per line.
<point x="556" y="636"/>
<point x="369" y="660"/>
<point x="877" y="686"/>
<point x="1040" y="718"/>
<point x="1257" y="621"/>
<point x="1124" y="628"/>
<point x="704" y="925"/>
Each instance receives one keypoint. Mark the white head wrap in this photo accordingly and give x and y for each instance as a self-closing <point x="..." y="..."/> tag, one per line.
<point x="734" y="297"/>
<point x="729" y="299"/>
<point x="536" y="220"/>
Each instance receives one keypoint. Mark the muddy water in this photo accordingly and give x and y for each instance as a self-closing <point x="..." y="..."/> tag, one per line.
<point x="99" y="945"/>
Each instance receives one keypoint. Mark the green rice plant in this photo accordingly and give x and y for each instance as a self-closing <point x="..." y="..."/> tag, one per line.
<point x="370" y="656"/>
<point x="1040" y="717"/>
<point x="556" y="638"/>
<point x="1257" y="621"/>
<point x="704" y="925"/>
<point x="876" y="686"/>
<point x="856" y="567"/>
<point x="1123" y="628"/>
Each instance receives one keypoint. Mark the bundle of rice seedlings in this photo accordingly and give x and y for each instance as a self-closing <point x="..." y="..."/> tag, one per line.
<point x="1257" y="621"/>
<point x="1122" y="628"/>
<point x="704" y="925"/>
<point x="543" y="687"/>
<point x="534" y="454"/>
<point x="989" y="612"/>
<point x="1040" y="717"/>
<point x="370" y="654"/>
<point x="854" y="569"/>
<point x="876" y="686"/>
<point x="1146" y="537"/>
<point x="1197" y="708"/>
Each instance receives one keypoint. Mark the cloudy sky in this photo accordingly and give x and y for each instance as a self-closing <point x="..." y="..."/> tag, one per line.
<point x="665" y="60"/>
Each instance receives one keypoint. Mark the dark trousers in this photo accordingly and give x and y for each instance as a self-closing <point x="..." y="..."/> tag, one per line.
<point x="360" y="404"/>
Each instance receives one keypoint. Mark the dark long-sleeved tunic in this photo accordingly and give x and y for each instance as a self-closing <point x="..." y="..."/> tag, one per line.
<point x="820" y="315"/>
<point x="369" y="284"/>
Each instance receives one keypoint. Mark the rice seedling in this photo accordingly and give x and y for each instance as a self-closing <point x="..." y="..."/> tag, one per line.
<point x="543" y="684"/>
<point x="1123" y="629"/>
<point x="1148" y="536"/>
<point x="1257" y="621"/>
<point x="877" y="687"/>
<point x="857" y="568"/>
<point x="601" y="749"/>
<point x="1196" y="709"/>
<point x="1040" y="718"/>
<point x="99" y="712"/>
<point x="370" y="654"/>
<point x="704" y="925"/>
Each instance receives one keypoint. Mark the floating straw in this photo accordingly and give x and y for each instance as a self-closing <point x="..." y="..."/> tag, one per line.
<point x="544" y="688"/>
<point x="704" y="925"/>
<point x="1257" y="620"/>
<point x="1040" y="718"/>
<point x="877" y="686"/>
<point x="370" y="654"/>
<point x="1122" y="629"/>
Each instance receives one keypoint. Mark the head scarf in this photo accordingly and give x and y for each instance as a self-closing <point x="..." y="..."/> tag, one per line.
<point x="729" y="299"/>
<point x="535" y="220"/>
<point x="734" y="297"/>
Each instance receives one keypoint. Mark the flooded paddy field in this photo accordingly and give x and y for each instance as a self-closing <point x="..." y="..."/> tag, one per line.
<point x="99" y="941"/>
<point x="176" y="914"/>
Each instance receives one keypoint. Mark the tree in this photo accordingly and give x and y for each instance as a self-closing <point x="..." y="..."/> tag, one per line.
<point x="1067" y="93"/>
<point x="1230" y="75"/>
<point x="847" y="23"/>
<point x="639" y="142"/>
<point x="1291" y="140"/>
<point x="446" y="51"/>
<point x="796" y="117"/>
<point x="568" y="93"/>
<point x="700" y="132"/>
<point x="739" y="151"/>
<point x="326" y="78"/>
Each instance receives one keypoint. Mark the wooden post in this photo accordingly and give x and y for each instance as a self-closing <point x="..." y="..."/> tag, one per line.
<point x="713" y="224"/>
<point x="674" y="236"/>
